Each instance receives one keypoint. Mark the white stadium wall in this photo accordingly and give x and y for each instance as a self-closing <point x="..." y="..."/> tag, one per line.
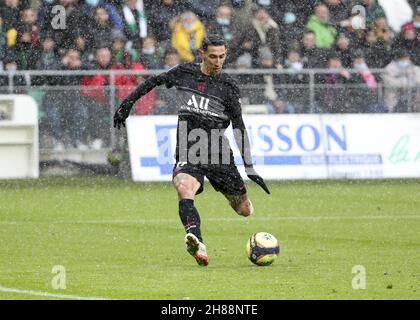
<point x="19" y="150"/>
<point x="359" y="146"/>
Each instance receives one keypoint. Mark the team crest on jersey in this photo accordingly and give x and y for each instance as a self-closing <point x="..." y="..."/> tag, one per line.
<point x="202" y="86"/>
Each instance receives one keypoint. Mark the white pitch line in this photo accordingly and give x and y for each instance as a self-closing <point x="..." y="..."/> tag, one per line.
<point x="48" y="294"/>
<point x="233" y="219"/>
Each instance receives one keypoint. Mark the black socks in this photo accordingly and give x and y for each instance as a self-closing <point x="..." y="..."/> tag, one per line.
<point x="190" y="217"/>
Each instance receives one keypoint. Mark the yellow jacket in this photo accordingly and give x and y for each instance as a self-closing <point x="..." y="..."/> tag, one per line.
<point x="181" y="39"/>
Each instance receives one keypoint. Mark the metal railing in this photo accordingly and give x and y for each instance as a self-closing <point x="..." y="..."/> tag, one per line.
<point x="307" y="91"/>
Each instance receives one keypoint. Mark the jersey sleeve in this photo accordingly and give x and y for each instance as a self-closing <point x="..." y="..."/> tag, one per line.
<point x="167" y="78"/>
<point x="238" y="125"/>
<point x="234" y="103"/>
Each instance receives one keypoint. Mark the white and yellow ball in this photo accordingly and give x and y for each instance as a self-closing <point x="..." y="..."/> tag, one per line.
<point x="262" y="248"/>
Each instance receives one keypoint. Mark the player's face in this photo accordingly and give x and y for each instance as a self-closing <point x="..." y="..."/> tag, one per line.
<point x="213" y="59"/>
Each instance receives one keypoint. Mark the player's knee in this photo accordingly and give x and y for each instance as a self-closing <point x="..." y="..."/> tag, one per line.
<point x="244" y="208"/>
<point x="185" y="189"/>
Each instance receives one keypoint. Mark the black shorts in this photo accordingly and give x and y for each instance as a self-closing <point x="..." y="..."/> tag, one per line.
<point x="224" y="178"/>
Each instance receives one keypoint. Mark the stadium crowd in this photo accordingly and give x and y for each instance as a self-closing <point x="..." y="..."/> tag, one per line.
<point x="290" y="35"/>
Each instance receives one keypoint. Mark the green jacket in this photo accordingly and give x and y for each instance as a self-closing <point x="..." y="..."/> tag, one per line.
<point x="325" y="33"/>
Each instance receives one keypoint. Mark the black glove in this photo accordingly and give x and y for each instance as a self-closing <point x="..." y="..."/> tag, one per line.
<point x="122" y="114"/>
<point x="252" y="174"/>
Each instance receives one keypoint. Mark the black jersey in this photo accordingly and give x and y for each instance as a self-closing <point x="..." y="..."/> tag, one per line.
<point x="206" y="105"/>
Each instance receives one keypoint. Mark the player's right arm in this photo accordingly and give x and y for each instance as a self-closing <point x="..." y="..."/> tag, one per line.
<point x="124" y="109"/>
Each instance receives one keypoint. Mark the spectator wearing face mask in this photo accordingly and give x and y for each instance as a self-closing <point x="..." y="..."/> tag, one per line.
<point x="333" y="97"/>
<point x="187" y="36"/>
<point x="10" y="64"/>
<point x="205" y="10"/>
<point x="291" y="29"/>
<point x="363" y="92"/>
<point x="296" y="94"/>
<point x="151" y="54"/>
<point x="402" y="82"/>
<point x="223" y="25"/>
<point x="166" y="96"/>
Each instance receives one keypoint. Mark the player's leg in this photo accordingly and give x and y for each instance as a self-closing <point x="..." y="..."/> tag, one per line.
<point x="187" y="186"/>
<point x="227" y="180"/>
<point x="240" y="203"/>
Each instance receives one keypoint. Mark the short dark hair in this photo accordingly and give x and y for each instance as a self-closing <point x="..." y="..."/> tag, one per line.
<point x="212" y="40"/>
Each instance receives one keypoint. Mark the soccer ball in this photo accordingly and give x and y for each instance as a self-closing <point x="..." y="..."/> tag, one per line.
<point x="262" y="248"/>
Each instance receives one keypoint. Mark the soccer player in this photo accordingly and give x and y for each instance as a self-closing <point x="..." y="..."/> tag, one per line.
<point x="208" y="100"/>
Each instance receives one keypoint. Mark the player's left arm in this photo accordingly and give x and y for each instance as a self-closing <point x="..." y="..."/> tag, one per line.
<point x="242" y="141"/>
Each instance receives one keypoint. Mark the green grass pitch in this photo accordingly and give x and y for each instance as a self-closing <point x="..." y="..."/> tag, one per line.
<point x="123" y="240"/>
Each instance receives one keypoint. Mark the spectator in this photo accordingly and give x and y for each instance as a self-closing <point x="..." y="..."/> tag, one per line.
<point x="187" y="36"/>
<point x="320" y="24"/>
<point x="205" y="10"/>
<point x="278" y="106"/>
<point x="28" y="40"/>
<point x="90" y="6"/>
<point x="102" y="28"/>
<point x="312" y="56"/>
<point x="268" y="33"/>
<point x="11" y="64"/>
<point x="416" y="20"/>
<point x="409" y="41"/>
<point x="333" y="97"/>
<point x="224" y="26"/>
<point x="11" y="14"/>
<point x="97" y="89"/>
<point x="66" y="109"/>
<point x="373" y="10"/>
<point x="295" y="96"/>
<point x="165" y="97"/>
<point x="162" y="18"/>
<point x="151" y="54"/>
<point x="135" y="21"/>
<point x="402" y="81"/>
<point x="382" y="30"/>
<point x="344" y="49"/>
<point x="3" y="42"/>
<point x="377" y="52"/>
<point x="47" y="58"/>
<point x="291" y="28"/>
<point x="363" y="92"/>
<point x="76" y="22"/>
<point x="339" y="12"/>
<point x="82" y="44"/>
<point x="121" y="52"/>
